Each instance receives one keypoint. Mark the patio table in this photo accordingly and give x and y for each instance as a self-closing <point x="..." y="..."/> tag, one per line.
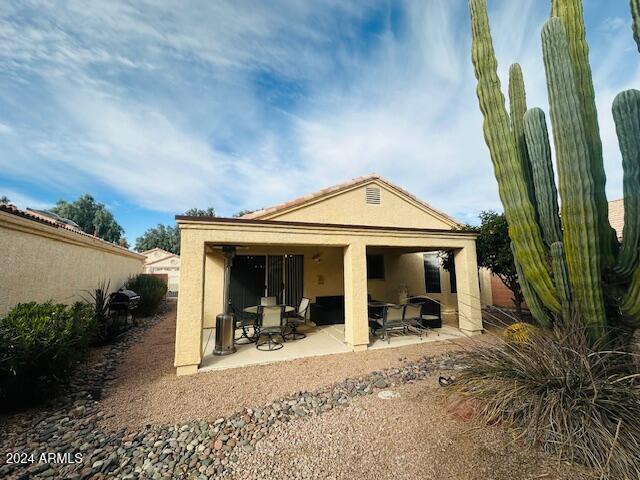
<point x="254" y="309"/>
<point x="376" y="304"/>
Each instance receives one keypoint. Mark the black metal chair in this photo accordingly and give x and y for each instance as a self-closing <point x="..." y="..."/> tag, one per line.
<point x="391" y="321"/>
<point x="247" y="325"/>
<point x="296" y="319"/>
<point x="272" y="325"/>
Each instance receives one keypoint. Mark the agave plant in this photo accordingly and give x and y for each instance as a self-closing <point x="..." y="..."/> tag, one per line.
<point x="569" y="259"/>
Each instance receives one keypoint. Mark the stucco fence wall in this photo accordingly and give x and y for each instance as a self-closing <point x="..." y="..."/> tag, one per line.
<point x="40" y="262"/>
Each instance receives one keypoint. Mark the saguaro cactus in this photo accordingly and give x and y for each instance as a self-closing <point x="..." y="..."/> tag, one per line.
<point x="580" y="269"/>
<point x="635" y="15"/>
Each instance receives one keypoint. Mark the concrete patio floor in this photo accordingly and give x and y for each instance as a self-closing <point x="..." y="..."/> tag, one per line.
<point x="323" y="340"/>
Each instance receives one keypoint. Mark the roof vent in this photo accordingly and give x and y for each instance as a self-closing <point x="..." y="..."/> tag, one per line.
<point x="373" y="195"/>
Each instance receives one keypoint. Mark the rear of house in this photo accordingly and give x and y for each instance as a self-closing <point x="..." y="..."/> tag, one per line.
<point x="340" y="247"/>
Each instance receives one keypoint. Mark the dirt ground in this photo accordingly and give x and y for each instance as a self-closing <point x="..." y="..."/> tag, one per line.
<point x="409" y="437"/>
<point x="147" y="390"/>
<point x="396" y="439"/>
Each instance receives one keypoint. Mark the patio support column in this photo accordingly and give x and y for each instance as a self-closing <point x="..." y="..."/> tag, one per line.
<point x="190" y="303"/>
<point x="469" y="308"/>
<point x="356" y="321"/>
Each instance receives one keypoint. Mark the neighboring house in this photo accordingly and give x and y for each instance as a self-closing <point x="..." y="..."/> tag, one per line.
<point x="46" y="257"/>
<point x="503" y="297"/>
<point x="363" y="238"/>
<point x="616" y="216"/>
<point x="161" y="262"/>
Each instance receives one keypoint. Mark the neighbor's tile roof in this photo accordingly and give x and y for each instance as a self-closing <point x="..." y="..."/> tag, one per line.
<point x="35" y="217"/>
<point x="339" y="187"/>
<point x="616" y="215"/>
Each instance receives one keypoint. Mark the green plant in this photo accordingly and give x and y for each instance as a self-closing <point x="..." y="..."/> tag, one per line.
<point x="577" y="400"/>
<point x="39" y="346"/>
<point x="152" y="291"/>
<point x="106" y="329"/>
<point x="590" y="273"/>
<point x="493" y="249"/>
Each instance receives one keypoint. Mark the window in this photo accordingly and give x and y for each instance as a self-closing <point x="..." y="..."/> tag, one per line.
<point x="372" y="195"/>
<point x="432" y="273"/>
<point x="375" y="267"/>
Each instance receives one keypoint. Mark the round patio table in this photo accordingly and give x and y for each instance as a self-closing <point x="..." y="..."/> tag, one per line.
<point x="254" y="308"/>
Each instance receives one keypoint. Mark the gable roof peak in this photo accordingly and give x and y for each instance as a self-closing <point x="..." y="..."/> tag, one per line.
<point x="354" y="182"/>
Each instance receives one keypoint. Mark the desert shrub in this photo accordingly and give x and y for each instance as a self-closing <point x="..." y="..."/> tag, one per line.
<point x="579" y="402"/>
<point x="106" y="328"/>
<point x="152" y="291"/>
<point x="39" y="345"/>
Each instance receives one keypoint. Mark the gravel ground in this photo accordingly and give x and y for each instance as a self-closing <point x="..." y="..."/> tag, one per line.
<point x="147" y="390"/>
<point x="337" y="430"/>
<point x="401" y="438"/>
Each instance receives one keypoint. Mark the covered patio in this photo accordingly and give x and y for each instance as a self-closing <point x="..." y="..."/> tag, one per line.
<point x="328" y="263"/>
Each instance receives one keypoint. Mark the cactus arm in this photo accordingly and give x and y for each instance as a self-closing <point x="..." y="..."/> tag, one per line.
<point x="521" y="216"/>
<point x="571" y="14"/>
<point x="561" y="278"/>
<point x="537" y="138"/>
<point x="626" y="114"/>
<point x="577" y="190"/>
<point x="630" y="304"/>
<point x="517" y="110"/>
<point x="635" y="15"/>
<point x="536" y="307"/>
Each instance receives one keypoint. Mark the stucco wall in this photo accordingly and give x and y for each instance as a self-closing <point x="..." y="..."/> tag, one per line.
<point x="350" y="208"/>
<point x="40" y="263"/>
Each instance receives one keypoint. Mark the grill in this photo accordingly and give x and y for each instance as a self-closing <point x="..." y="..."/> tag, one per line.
<point x="122" y="303"/>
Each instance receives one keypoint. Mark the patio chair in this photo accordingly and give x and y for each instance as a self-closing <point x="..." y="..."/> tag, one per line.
<point x="431" y="314"/>
<point x="412" y="319"/>
<point x="268" y="301"/>
<point x="246" y="323"/>
<point x="271" y="326"/>
<point x="296" y="319"/>
<point x="391" y="321"/>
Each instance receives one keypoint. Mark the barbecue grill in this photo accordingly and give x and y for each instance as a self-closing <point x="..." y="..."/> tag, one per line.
<point x="124" y="303"/>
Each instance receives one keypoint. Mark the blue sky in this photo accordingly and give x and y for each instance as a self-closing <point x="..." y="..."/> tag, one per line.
<point x="158" y="106"/>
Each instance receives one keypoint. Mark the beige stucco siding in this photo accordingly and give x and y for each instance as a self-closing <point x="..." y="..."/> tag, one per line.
<point x="351" y="208"/>
<point x="201" y="271"/>
<point x="41" y="263"/>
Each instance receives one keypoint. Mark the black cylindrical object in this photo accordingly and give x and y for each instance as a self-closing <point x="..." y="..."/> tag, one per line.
<point x="225" y="330"/>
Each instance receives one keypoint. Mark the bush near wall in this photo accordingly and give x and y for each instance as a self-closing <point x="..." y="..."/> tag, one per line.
<point x="39" y="346"/>
<point x="152" y="291"/>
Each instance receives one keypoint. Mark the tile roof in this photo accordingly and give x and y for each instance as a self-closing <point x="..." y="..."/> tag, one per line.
<point x="616" y="215"/>
<point x="337" y="188"/>
<point x="36" y="217"/>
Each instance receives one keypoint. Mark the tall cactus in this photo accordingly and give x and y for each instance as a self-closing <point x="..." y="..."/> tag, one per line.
<point x="573" y="246"/>
<point x="635" y="15"/>
<point x="537" y="139"/>
<point x="529" y="248"/>
<point x="576" y="180"/>
<point x="626" y="114"/>
<point x="570" y="14"/>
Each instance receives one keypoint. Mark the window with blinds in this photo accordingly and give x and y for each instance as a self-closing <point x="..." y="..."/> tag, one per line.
<point x="372" y="195"/>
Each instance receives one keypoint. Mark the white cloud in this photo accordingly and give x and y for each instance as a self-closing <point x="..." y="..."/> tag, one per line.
<point x="23" y="201"/>
<point x="245" y="104"/>
<point x="5" y="129"/>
